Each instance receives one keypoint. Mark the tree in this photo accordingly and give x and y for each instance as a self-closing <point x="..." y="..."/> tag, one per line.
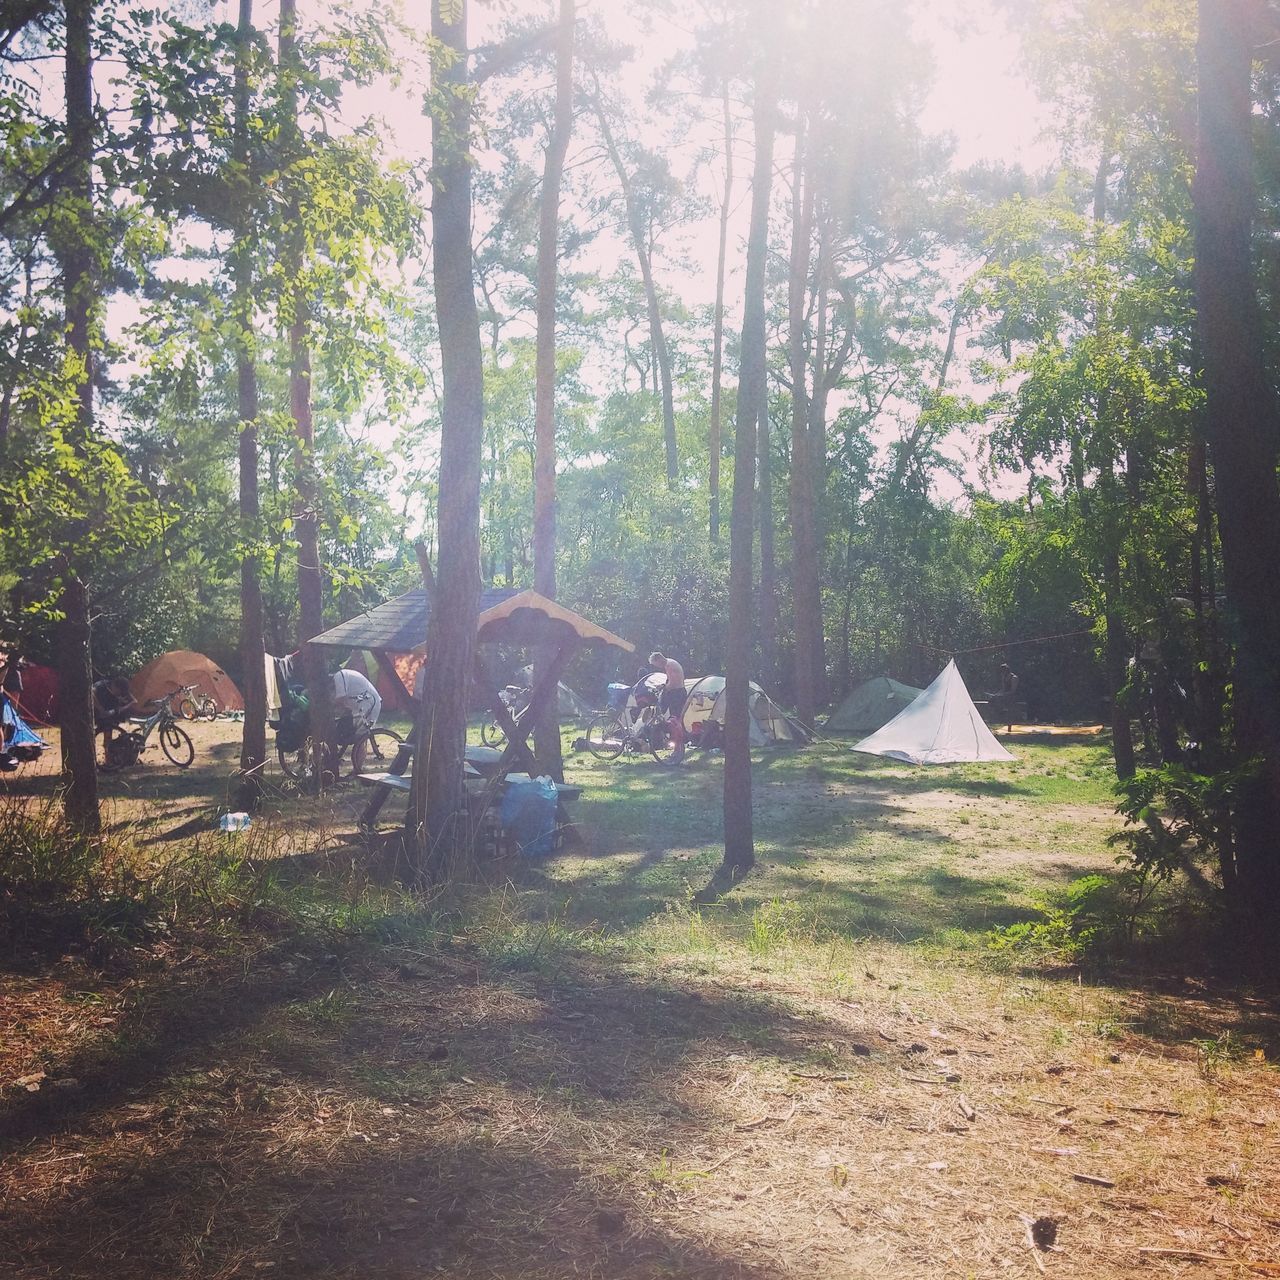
<point x="1240" y="412"/>
<point x="635" y="187"/>
<point x="253" y="743"/>
<point x="739" y="843"/>
<point x="547" y="732"/>
<point x="806" y="589"/>
<point x="74" y="246"/>
<point x="297" y="310"/>
<point x="439" y="799"/>
<point x="717" y="336"/>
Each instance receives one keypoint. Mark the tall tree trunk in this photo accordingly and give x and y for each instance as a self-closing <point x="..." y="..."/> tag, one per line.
<point x="739" y="840"/>
<point x="805" y="593"/>
<point x="75" y="253"/>
<point x="715" y="627"/>
<point x="657" y="335"/>
<point x="816" y="462"/>
<point x="717" y="332"/>
<point x="437" y="813"/>
<point x="253" y="742"/>
<point x="547" y="731"/>
<point x="306" y="522"/>
<point x="1240" y="413"/>
<point x="767" y="610"/>
<point x="1115" y="646"/>
<point x="1115" y="658"/>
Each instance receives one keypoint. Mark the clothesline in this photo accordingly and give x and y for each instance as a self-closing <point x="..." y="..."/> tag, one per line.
<point x="1007" y="644"/>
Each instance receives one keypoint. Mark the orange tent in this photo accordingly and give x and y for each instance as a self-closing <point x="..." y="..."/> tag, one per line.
<point x="406" y="667"/>
<point x="171" y="671"/>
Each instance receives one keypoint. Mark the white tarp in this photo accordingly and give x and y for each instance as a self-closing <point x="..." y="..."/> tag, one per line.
<point x="942" y="726"/>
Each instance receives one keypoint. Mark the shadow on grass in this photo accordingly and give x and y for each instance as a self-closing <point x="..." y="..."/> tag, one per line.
<point x="382" y="1123"/>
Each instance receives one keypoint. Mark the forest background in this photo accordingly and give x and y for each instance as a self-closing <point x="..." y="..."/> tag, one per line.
<point x="222" y="357"/>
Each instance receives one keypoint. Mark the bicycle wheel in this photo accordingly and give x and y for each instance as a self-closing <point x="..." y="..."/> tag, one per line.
<point x="175" y="743"/>
<point x="492" y="734"/>
<point x="186" y="709"/>
<point x="298" y="764"/>
<point x="663" y="743"/>
<point x="606" y="736"/>
<point x="208" y="709"/>
<point x="376" y="751"/>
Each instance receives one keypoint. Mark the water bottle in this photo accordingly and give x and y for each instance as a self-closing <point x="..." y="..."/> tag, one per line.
<point x="234" y="822"/>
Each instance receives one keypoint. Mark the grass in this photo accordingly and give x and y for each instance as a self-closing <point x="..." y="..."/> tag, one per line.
<point x="584" y="1070"/>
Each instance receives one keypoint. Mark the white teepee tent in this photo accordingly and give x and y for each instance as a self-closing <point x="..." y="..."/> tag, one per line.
<point x="942" y="726"/>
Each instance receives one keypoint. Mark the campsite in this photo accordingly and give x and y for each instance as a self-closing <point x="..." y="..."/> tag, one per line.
<point x="587" y="1069"/>
<point x="639" y="641"/>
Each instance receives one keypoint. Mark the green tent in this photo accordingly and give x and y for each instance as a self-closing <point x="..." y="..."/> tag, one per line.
<point x="872" y="704"/>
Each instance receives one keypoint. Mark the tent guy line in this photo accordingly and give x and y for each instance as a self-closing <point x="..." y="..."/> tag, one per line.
<point x="1007" y="644"/>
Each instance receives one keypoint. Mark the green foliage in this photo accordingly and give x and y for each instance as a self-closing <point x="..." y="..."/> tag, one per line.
<point x="1174" y="815"/>
<point x="1064" y="931"/>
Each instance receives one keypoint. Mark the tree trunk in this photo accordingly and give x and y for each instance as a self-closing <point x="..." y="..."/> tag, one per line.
<point x="1115" y="646"/>
<point x="717" y="333"/>
<point x="72" y="641"/>
<point x="253" y="742"/>
<point x="657" y="336"/>
<point x="306" y="522"/>
<point x="74" y="248"/>
<point x="1240" y="413"/>
<point x="1115" y="657"/>
<point x="437" y="813"/>
<point x="823" y="378"/>
<point x="547" y="731"/>
<point x="739" y="841"/>
<point x="805" y="591"/>
<point x="768" y="604"/>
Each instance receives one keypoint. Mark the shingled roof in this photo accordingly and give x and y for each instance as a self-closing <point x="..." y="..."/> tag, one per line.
<point x="524" y="617"/>
<point x="396" y="625"/>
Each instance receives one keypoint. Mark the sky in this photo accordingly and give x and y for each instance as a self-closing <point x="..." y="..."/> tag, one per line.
<point x="979" y="99"/>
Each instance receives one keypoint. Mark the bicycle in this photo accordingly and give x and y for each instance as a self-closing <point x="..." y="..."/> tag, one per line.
<point x="127" y="746"/>
<point x="516" y="700"/>
<point x="190" y="705"/>
<point x="638" y="727"/>
<point x="369" y="752"/>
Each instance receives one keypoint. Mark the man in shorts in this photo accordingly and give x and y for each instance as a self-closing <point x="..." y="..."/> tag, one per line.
<point x="672" y="698"/>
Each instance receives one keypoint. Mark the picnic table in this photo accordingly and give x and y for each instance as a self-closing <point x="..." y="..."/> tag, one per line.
<point x="482" y="767"/>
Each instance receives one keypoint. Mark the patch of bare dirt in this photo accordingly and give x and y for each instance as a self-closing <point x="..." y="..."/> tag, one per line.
<point x="411" y="1114"/>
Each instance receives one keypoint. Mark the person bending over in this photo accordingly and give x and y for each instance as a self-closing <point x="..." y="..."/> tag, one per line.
<point x="672" y="698"/>
<point x="113" y="704"/>
<point x="355" y="695"/>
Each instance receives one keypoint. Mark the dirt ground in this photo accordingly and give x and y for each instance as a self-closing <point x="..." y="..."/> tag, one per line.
<point x="581" y="1072"/>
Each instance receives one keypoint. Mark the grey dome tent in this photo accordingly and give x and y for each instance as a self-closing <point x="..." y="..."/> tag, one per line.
<point x="572" y="706"/>
<point x="873" y="703"/>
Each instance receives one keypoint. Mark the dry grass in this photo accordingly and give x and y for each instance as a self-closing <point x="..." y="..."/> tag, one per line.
<point x="583" y="1075"/>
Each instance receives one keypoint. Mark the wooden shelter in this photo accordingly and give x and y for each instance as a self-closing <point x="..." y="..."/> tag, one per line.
<point x="522" y="618"/>
<point x="395" y="628"/>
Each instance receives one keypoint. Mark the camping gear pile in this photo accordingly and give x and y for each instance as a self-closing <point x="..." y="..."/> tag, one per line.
<point x="21" y="743"/>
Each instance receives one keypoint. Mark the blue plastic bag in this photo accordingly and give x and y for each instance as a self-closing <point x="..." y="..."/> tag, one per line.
<point x="529" y="815"/>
